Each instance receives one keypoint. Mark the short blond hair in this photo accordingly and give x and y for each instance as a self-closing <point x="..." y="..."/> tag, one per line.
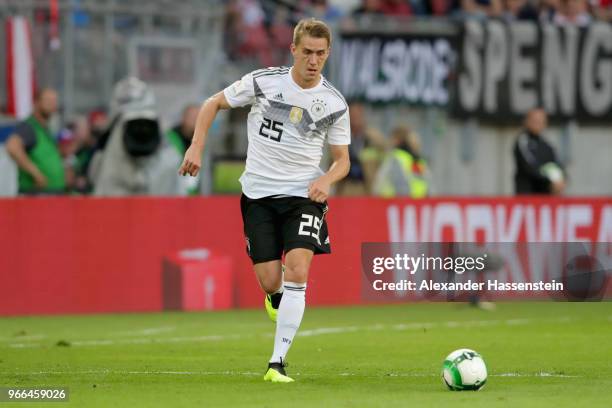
<point x="313" y="28"/>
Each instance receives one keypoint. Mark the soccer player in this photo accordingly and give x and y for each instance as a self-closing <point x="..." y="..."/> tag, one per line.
<point x="294" y="111"/>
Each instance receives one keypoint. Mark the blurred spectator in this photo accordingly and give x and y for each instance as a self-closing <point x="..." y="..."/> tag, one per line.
<point x="180" y="135"/>
<point x="35" y="151"/>
<point x="519" y="10"/>
<point x="322" y="10"/>
<point x="368" y="8"/>
<point x="179" y="138"/>
<point x="602" y="9"/>
<point x="479" y="9"/>
<point x="246" y="35"/>
<point x="365" y="151"/>
<point x="548" y="10"/>
<point x="404" y="172"/>
<point x="396" y="8"/>
<point x="98" y="122"/>
<point x="77" y="145"/>
<point x="434" y="7"/>
<point x="281" y="36"/>
<point x="368" y="12"/>
<point x="573" y="12"/>
<point x="538" y="171"/>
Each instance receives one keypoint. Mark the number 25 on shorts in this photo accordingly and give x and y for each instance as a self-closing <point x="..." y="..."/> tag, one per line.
<point x="312" y="222"/>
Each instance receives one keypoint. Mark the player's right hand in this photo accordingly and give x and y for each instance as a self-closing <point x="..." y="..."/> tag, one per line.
<point x="40" y="180"/>
<point x="192" y="162"/>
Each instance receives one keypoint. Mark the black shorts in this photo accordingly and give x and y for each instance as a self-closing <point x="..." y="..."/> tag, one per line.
<point x="273" y="226"/>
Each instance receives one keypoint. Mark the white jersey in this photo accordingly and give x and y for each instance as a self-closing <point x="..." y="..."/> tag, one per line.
<point x="287" y="128"/>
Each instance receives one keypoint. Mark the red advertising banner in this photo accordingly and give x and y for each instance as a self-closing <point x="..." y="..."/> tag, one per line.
<point x="86" y="255"/>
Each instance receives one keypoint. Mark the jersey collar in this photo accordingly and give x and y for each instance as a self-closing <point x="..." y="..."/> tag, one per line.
<point x="295" y="84"/>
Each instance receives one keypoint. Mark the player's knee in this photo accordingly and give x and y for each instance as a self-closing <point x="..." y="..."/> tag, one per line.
<point x="270" y="287"/>
<point x="297" y="272"/>
<point x="269" y="276"/>
<point x="270" y="284"/>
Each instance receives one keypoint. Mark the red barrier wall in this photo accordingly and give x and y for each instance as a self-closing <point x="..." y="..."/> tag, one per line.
<point x="83" y="255"/>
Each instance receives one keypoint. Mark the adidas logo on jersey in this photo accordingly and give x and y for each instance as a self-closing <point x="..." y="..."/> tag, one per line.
<point x="279" y="96"/>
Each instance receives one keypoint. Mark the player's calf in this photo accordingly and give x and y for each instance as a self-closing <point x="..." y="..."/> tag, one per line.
<point x="272" y="301"/>
<point x="290" y="313"/>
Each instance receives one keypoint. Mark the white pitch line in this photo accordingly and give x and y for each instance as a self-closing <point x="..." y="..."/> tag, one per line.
<point x="303" y="333"/>
<point x="32" y="337"/>
<point x="540" y="374"/>
<point x="329" y="330"/>
<point x="514" y="322"/>
<point x="145" y="332"/>
<point x="148" y="340"/>
<point x="119" y="372"/>
<point x="413" y="326"/>
<point x="250" y="374"/>
<point x="145" y="340"/>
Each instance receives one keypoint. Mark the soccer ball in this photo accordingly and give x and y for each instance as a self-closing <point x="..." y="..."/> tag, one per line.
<point x="552" y="172"/>
<point x="464" y="369"/>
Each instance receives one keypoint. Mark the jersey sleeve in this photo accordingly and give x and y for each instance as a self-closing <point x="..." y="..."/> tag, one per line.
<point x="241" y="92"/>
<point x="340" y="131"/>
<point x="27" y="135"/>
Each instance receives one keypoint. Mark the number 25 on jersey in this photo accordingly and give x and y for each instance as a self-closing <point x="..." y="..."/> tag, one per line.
<point x="271" y="129"/>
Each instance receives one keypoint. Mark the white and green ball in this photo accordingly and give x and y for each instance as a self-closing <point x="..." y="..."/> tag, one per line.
<point x="464" y="369"/>
<point x="552" y="171"/>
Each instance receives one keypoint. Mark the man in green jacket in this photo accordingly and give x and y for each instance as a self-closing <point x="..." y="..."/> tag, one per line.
<point x="34" y="149"/>
<point x="180" y="135"/>
<point x="403" y="172"/>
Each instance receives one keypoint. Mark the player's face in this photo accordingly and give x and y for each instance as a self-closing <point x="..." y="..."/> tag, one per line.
<point x="309" y="57"/>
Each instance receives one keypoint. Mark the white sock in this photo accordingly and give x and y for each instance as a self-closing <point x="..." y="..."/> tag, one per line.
<point x="290" y="314"/>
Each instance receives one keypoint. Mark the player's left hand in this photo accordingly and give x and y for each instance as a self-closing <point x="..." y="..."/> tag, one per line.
<point x="318" y="190"/>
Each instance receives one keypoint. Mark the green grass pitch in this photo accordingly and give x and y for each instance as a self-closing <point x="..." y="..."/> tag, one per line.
<point x="539" y="354"/>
